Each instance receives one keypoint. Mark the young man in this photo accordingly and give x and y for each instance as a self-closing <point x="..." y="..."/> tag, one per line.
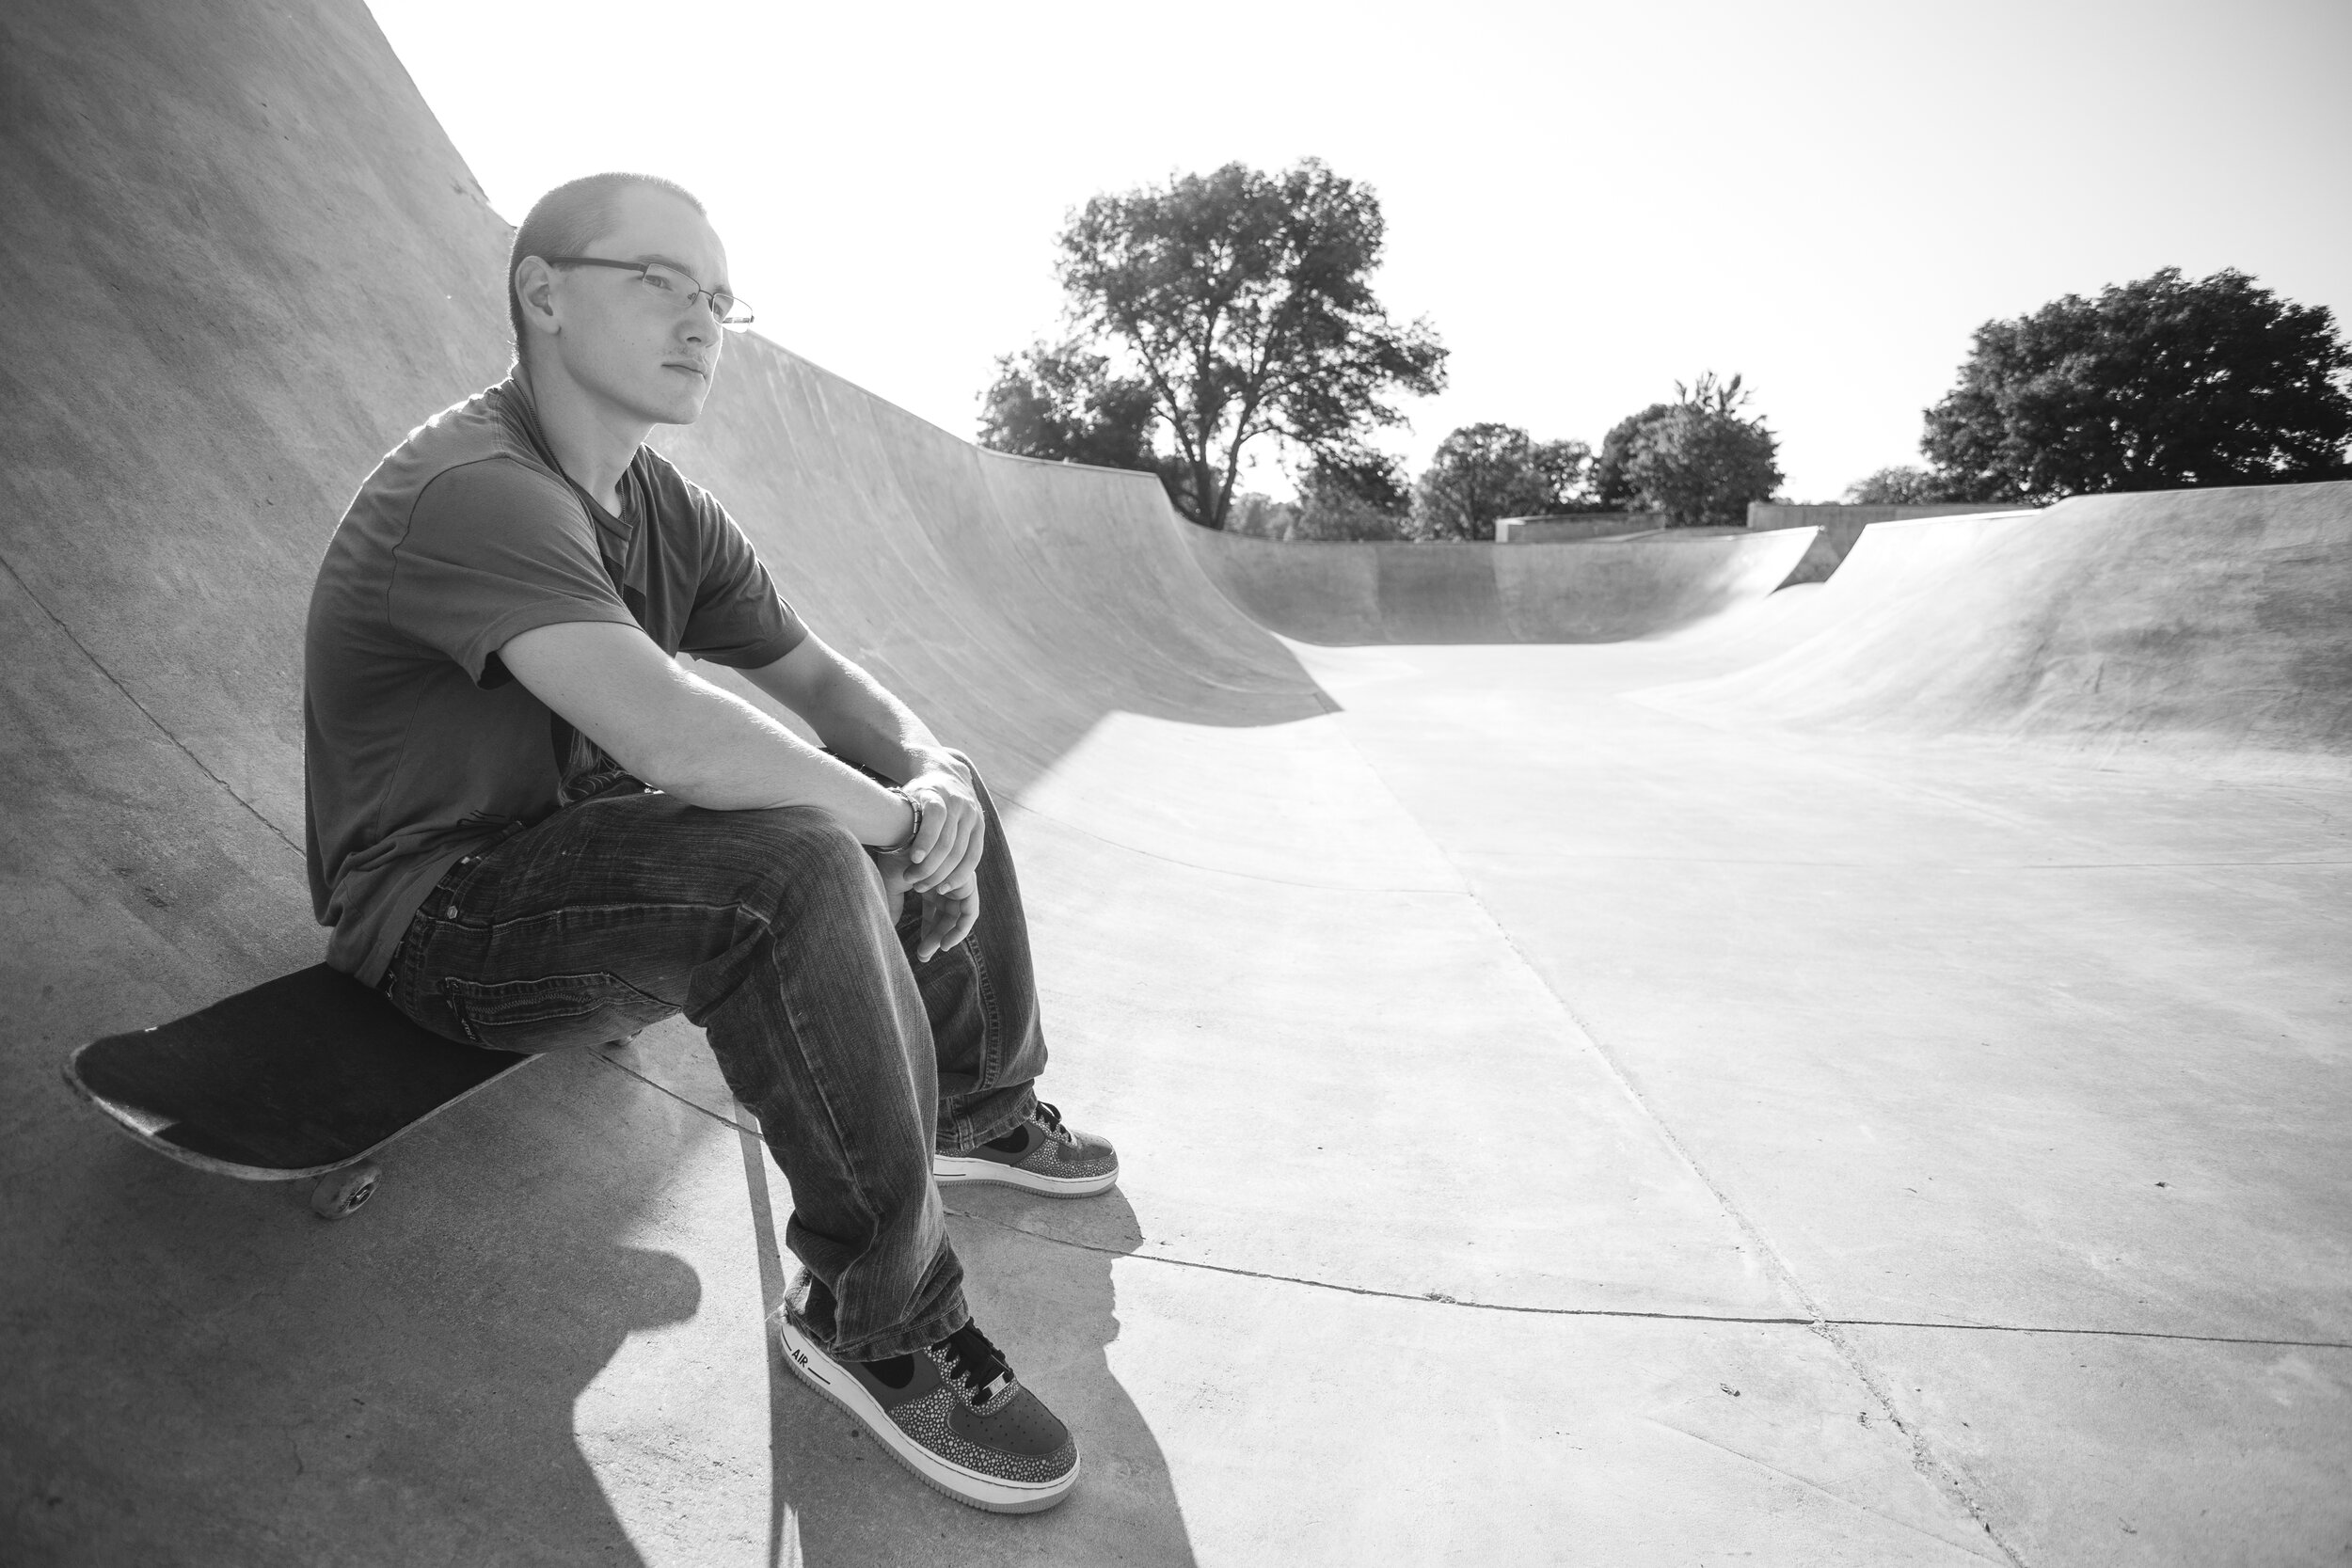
<point x="534" y="829"/>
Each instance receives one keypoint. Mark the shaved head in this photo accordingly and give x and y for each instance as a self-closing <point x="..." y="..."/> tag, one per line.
<point x="570" y="218"/>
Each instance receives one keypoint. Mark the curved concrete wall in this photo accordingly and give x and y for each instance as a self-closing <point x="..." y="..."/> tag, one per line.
<point x="1585" y="591"/>
<point x="1836" y="527"/>
<point x="2215" y="619"/>
<point x="256" y="263"/>
<point x="1014" y="602"/>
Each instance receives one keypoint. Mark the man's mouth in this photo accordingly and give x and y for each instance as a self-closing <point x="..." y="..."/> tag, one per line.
<point x="688" y="366"/>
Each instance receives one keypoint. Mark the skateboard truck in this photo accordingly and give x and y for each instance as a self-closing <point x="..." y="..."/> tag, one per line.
<point x="337" y="1195"/>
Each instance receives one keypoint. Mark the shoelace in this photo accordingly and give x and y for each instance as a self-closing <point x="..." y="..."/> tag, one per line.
<point x="1049" y="1117"/>
<point x="977" y="1364"/>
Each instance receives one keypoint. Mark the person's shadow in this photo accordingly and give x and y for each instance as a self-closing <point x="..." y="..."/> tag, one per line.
<point x="210" y="1375"/>
<point x="841" y="1502"/>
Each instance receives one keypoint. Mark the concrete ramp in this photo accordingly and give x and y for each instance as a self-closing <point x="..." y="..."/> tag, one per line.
<point x="2210" y="620"/>
<point x="1554" y="1130"/>
<point x="225" y="343"/>
<point x="1022" y="601"/>
<point x="1578" y="591"/>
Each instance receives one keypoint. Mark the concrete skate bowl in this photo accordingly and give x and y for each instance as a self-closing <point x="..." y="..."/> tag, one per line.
<point x="1581" y="590"/>
<point x="1014" y="602"/>
<point x="247" y="262"/>
<point x="225" y="344"/>
<point x="2209" y="622"/>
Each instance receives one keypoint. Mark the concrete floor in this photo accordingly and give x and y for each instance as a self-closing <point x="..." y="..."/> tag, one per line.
<point x="1778" y="1152"/>
<point x="1563" y="1122"/>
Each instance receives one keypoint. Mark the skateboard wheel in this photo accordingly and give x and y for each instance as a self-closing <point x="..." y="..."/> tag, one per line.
<point x="340" y="1193"/>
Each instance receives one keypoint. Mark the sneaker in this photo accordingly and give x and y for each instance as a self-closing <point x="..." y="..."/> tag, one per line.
<point x="1041" y="1155"/>
<point x="954" y="1415"/>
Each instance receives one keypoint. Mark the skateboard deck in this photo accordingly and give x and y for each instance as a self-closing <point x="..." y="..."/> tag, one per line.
<point x="306" y="1075"/>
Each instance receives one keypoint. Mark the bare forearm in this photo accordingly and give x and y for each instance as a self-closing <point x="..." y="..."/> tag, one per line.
<point x="857" y="718"/>
<point x="857" y="715"/>
<point x="688" y="738"/>
<point x="727" y="755"/>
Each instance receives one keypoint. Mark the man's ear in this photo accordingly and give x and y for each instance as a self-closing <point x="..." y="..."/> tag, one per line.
<point x="534" y="285"/>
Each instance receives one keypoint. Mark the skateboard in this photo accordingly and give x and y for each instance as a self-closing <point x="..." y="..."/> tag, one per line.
<point x="307" y="1076"/>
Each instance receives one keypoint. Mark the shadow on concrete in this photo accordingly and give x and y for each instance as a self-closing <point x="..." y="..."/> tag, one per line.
<point x="840" y="1502"/>
<point x="202" y="1371"/>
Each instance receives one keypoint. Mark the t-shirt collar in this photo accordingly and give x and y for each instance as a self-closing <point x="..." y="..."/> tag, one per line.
<point x="617" y="531"/>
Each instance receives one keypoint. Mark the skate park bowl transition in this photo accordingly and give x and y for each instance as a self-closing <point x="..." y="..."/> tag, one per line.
<point x="1576" y="590"/>
<point x="1612" y="1063"/>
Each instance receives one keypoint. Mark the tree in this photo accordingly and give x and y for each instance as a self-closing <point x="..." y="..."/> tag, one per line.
<point x="2160" y="383"/>
<point x="1564" y="469"/>
<point x="1243" y="302"/>
<point x="1358" y="497"/>
<point x="1701" y="462"/>
<point x="1485" y="471"/>
<point x="1258" y="517"/>
<point x="1613" y="489"/>
<point x="1060" y="403"/>
<point x="1895" y="487"/>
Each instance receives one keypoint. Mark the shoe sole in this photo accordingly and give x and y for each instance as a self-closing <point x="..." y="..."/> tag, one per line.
<point x="969" y="1487"/>
<point x="957" y="1170"/>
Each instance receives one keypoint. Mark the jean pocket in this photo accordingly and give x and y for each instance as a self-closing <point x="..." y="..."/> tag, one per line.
<point x="552" y="1012"/>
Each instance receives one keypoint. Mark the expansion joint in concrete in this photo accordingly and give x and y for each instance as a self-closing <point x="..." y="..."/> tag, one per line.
<point x="1946" y="1476"/>
<point x="1817" y="1324"/>
<point x="1833" y="1330"/>
<point x="145" y="712"/>
<point x="1635" y="1314"/>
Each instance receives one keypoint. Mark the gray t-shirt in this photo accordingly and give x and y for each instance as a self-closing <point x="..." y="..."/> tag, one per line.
<point x="418" y="745"/>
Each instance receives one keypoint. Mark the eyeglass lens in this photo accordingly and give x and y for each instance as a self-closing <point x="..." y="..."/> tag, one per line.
<point x="730" y="310"/>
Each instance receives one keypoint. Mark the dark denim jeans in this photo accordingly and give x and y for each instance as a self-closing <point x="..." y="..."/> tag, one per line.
<point x="770" y="930"/>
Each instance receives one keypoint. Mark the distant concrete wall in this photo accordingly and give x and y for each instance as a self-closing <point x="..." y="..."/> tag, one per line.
<point x="1585" y="591"/>
<point x="1841" y="526"/>
<point x="1772" y="514"/>
<point x="1589" y="525"/>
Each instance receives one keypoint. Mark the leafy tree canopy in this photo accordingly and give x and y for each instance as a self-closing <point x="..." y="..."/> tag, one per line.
<point x="1061" y="403"/>
<point x="1358" y="495"/>
<point x="1613" y="488"/>
<point x="2160" y="383"/>
<point x="1900" y="486"/>
<point x="1485" y="471"/>
<point x="1243" y="302"/>
<point x="1701" y="460"/>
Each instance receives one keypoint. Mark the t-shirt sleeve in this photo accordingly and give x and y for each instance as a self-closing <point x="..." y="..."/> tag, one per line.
<point x="493" y="549"/>
<point x="739" y="620"/>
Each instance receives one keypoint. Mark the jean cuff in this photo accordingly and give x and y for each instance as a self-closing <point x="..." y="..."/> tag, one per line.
<point x="959" y="1134"/>
<point x="950" y="1315"/>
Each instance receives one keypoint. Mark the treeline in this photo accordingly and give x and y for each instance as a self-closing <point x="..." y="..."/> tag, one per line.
<point x="1218" y="310"/>
<point x="1214" y="312"/>
<point x="2163" y="383"/>
<point x="1239" y="305"/>
<point x="1692" y="463"/>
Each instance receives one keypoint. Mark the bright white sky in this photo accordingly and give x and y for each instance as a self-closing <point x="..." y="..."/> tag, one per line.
<point x="1590" y="200"/>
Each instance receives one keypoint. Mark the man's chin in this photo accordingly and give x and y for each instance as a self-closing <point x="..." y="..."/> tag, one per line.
<point x="677" y="408"/>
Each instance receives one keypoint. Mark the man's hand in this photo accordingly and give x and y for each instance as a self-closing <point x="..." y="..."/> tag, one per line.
<point x="949" y="913"/>
<point x="946" y="852"/>
<point x="948" y="916"/>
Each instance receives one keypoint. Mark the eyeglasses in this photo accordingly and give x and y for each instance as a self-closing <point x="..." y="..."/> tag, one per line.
<point x="674" y="288"/>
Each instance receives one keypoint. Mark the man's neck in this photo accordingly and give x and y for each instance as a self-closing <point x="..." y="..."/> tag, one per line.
<point x="592" y="441"/>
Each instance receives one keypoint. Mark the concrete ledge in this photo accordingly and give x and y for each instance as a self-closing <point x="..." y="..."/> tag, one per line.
<point x="1841" y="526"/>
<point x="1589" y="525"/>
